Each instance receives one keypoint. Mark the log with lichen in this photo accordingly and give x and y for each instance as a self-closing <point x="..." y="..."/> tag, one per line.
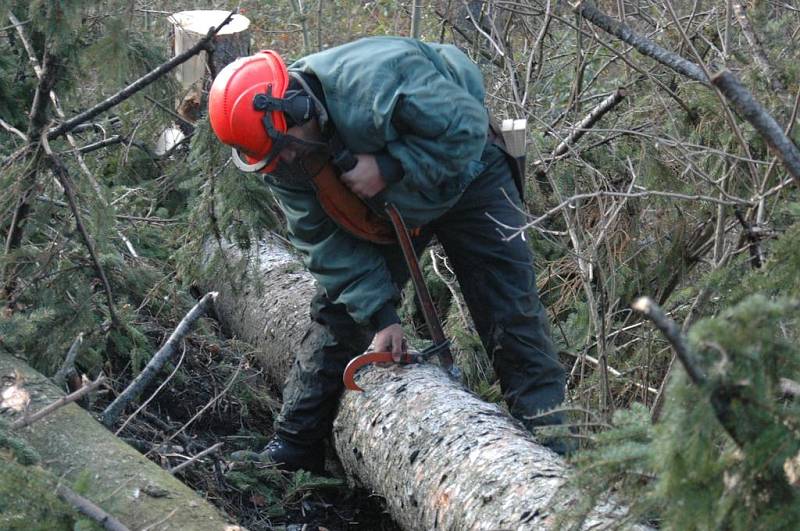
<point x="76" y="448"/>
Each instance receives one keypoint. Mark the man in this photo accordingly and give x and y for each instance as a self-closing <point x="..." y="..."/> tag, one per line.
<point x="413" y="116"/>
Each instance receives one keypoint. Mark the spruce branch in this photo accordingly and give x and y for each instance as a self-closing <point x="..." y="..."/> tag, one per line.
<point x="62" y="174"/>
<point x="113" y="411"/>
<point x="205" y="44"/>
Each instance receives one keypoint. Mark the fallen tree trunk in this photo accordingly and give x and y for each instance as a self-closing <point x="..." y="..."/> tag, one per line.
<point x="442" y="458"/>
<point x="119" y="479"/>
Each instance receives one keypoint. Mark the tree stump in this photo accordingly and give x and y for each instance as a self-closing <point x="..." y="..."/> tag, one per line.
<point x="231" y="42"/>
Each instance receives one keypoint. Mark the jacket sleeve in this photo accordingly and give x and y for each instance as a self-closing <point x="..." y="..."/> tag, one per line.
<point x="352" y="272"/>
<point x="437" y="127"/>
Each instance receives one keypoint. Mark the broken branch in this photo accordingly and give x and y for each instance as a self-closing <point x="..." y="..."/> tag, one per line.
<point x="136" y="387"/>
<point x="746" y="105"/>
<point x="61" y="402"/>
<point x="89" y="509"/>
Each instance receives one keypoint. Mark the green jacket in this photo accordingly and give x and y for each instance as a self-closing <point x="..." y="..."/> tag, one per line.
<point x="416" y="104"/>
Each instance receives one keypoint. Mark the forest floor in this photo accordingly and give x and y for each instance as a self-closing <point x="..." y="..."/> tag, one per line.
<point x="256" y="495"/>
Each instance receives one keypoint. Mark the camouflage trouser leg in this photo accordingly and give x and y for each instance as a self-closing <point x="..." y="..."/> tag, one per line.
<point x="314" y="384"/>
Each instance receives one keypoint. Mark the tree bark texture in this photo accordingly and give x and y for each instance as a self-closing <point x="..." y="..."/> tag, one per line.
<point x="273" y="317"/>
<point x="441" y="457"/>
<point x="72" y="443"/>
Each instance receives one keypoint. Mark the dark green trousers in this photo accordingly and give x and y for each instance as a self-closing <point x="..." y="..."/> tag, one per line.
<point x="499" y="286"/>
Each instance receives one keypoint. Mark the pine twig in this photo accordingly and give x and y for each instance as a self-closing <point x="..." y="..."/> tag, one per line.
<point x="203" y="44"/>
<point x="113" y="411"/>
<point x="191" y="460"/>
<point x="87" y="508"/>
<point x="66" y="182"/>
<point x="61" y="402"/>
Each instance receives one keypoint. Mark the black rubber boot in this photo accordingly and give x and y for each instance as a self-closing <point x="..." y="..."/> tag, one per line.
<point x="292" y="456"/>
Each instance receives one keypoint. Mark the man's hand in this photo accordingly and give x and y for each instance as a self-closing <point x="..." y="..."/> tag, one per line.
<point x="365" y="179"/>
<point x="390" y="339"/>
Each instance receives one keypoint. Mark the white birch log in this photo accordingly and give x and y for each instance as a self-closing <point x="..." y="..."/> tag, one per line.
<point x="441" y="457"/>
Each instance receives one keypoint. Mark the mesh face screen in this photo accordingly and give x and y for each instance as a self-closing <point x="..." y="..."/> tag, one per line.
<point x="309" y="160"/>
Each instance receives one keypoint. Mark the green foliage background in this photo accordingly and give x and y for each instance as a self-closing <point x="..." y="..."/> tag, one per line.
<point x="669" y="134"/>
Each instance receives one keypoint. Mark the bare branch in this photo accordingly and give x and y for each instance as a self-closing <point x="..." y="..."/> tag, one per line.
<point x="61" y="402"/>
<point x="87" y="508"/>
<point x="139" y="84"/>
<point x="586" y="124"/>
<point x="204" y="453"/>
<point x="161" y="357"/>
<point x="647" y="307"/>
<point x="11" y="129"/>
<point x="746" y="105"/>
<point x="642" y="45"/>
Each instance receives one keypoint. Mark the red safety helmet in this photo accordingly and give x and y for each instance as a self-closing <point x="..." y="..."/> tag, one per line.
<point x="248" y="106"/>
